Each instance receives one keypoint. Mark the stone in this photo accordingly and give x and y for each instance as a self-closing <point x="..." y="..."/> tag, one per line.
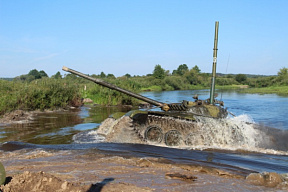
<point x="267" y="179"/>
<point x="273" y="179"/>
<point x="87" y="100"/>
<point x="255" y="179"/>
<point x="180" y="176"/>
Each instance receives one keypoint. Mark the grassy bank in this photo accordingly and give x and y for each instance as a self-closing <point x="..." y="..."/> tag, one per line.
<point x="37" y="91"/>
<point x="49" y="93"/>
<point x="40" y="94"/>
<point x="280" y="90"/>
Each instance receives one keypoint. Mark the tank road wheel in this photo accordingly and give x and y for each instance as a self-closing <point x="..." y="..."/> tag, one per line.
<point x="173" y="138"/>
<point x="154" y="134"/>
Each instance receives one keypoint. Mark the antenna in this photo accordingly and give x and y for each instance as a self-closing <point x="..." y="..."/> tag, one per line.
<point x="225" y="73"/>
<point x="212" y="89"/>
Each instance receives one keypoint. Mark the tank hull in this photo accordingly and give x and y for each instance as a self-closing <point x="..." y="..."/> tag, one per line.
<point x="154" y="127"/>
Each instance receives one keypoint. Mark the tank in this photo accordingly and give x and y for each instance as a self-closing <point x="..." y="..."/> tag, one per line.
<point x="174" y="124"/>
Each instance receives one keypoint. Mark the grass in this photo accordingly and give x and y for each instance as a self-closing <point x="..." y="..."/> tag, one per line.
<point x="280" y="90"/>
<point x="152" y="88"/>
<point x="38" y="95"/>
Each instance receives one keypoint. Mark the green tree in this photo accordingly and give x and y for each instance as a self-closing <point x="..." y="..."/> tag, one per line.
<point x="282" y="77"/>
<point x="159" y="72"/>
<point x="57" y="75"/>
<point x="27" y="78"/>
<point x="181" y="70"/>
<point x="229" y="76"/>
<point x="71" y="76"/>
<point x="192" y="77"/>
<point x="240" y="78"/>
<point x="177" y="82"/>
<point x="43" y="73"/>
<point x="283" y="72"/>
<point x="35" y="73"/>
<point x="102" y="75"/>
<point x="127" y="75"/>
<point x="111" y="76"/>
<point x="196" y="69"/>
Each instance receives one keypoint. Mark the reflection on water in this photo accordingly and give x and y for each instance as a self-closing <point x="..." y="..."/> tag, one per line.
<point x="96" y="114"/>
<point x="46" y="128"/>
<point x="57" y="127"/>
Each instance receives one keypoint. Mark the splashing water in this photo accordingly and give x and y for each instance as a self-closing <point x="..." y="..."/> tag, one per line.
<point x="233" y="133"/>
<point x="239" y="133"/>
<point x="88" y="137"/>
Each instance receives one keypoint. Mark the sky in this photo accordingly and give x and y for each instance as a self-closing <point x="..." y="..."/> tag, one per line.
<point x="132" y="36"/>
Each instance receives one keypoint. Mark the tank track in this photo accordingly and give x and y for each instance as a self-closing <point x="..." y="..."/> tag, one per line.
<point x="167" y="130"/>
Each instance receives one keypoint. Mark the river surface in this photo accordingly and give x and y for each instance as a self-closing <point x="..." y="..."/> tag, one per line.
<point x="62" y="130"/>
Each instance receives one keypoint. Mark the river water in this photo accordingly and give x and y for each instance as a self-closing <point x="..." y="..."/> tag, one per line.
<point x="62" y="130"/>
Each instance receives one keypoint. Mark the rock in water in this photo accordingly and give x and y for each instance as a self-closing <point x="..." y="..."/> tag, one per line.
<point x="2" y="174"/>
<point x="180" y="176"/>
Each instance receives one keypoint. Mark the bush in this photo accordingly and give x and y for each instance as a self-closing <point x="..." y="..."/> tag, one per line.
<point x="176" y="82"/>
<point x="40" y="94"/>
<point x="225" y="81"/>
<point x="241" y="78"/>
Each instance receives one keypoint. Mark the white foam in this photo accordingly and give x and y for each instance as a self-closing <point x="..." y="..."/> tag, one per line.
<point x="243" y="118"/>
<point x="88" y="137"/>
<point x="233" y="133"/>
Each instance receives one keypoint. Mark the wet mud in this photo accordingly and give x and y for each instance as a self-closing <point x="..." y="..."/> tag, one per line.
<point x="91" y="170"/>
<point x="17" y="117"/>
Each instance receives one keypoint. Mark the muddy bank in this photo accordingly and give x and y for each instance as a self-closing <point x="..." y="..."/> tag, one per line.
<point x="42" y="182"/>
<point x="17" y="116"/>
<point x="23" y="117"/>
<point x="42" y="170"/>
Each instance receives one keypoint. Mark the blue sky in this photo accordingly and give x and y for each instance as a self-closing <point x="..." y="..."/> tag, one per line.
<point x="132" y="36"/>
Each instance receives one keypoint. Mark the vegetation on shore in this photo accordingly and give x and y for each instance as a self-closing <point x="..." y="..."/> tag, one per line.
<point x="41" y="94"/>
<point x="36" y="90"/>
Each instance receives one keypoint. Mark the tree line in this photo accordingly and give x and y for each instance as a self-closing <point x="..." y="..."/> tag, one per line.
<point x="36" y="90"/>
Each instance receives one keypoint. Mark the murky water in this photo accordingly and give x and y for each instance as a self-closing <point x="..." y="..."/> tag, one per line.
<point x="55" y="131"/>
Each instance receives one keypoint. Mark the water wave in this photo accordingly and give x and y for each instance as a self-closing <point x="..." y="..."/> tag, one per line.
<point x="238" y="133"/>
<point x="88" y="137"/>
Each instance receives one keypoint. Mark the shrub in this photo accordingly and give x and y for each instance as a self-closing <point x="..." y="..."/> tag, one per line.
<point x="40" y="94"/>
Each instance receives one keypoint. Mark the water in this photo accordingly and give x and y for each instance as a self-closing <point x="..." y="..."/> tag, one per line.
<point x="263" y="148"/>
<point x="266" y="109"/>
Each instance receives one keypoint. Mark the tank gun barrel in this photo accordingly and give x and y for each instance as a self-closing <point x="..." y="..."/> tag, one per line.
<point x="111" y="86"/>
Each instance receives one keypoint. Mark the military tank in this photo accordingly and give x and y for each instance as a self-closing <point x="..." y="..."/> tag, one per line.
<point x="175" y="123"/>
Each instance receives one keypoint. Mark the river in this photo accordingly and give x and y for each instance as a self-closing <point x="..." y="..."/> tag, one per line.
<point x="72" y="130"/>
